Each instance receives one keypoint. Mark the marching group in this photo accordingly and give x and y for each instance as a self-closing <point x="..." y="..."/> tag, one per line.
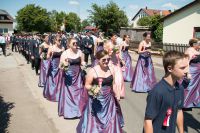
<point x="93" y="96"/>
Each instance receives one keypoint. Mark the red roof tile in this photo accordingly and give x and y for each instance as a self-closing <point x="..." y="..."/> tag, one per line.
<point x="152" y="12"/>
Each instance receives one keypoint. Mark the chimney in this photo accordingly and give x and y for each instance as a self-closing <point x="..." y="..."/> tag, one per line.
<point x="146" y="7"/>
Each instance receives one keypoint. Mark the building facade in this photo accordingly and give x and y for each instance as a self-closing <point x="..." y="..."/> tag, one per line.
<point x="183" y="24"/>
<point x="6" y="22"/>
<point x="144" y="12"/>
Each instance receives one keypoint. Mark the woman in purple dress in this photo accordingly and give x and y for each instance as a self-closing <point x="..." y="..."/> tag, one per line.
<point x="144" y="77"/>
<point x="52" y="86"/>
<point x="128" y="68"/>
<point x="103" y="113"/>
<point x="192" y="92"/>
<point x="73" y="97"/>
<point x="44" y="62"/>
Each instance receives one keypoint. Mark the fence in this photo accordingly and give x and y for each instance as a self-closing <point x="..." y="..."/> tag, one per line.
<point x="164" y="46"/>
<point x="174" y="46"/>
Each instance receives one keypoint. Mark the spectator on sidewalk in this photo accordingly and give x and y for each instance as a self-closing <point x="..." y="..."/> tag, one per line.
<point x="3" y="44"/>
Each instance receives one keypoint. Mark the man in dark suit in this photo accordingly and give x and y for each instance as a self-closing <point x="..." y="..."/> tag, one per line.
<point x="64" y="41"/>
<point x="35" y="53"/>
<point x="88" y="47"/>
<point x="79" y="41"/>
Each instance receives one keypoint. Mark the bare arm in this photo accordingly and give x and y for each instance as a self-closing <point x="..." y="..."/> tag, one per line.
<point x="40" y="49"/>
<point x="82" y="58"/>
<point x="148" y="127"/>
<point x="49" y="53"/>
<point x="179" y="121"/>
<point x="141" y="48"/>
<point x="62" y="59"/>
<point x="89" y="79"/>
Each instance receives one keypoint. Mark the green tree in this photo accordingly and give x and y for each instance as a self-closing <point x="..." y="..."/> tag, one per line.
<point x="85" y="23"/>
<point x="57" y="19"/>
<point x="155" y="24"/>
<point x="145" y="21"/>
<point x="72" y="22"/>
<point x="33" y="18"/>
<point x="156" y="28"/>
<point x="108" y="18"/>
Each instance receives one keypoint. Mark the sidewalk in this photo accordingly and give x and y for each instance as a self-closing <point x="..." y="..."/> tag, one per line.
<point x="31" y="113"/>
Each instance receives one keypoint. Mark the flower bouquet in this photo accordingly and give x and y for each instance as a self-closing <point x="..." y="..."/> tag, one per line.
<point x="44" y="55"/>
<point x="116" y="49"/>
<point x="95" y="89"/>
<point x="64" y="66"/>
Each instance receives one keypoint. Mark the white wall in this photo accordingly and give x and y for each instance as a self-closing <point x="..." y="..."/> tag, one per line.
<point x="138" y="17"/>
<point x="9" y="26"/>
<point x="180" y="27"/>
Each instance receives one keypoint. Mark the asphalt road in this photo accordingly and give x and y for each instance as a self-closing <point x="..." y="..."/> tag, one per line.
<point x="28" y="112"/>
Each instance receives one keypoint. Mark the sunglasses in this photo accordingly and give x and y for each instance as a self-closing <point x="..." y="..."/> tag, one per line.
<point x="74" y="43"/>
<point x="59" y="40"/>
<point x="106" y="59"/>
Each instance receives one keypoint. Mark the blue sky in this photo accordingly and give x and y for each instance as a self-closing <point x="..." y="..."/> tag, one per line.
<point x="81" y="6"/>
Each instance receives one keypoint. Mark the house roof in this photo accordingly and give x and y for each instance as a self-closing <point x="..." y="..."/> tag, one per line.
<point x="181" y="9"/>
<point x="152" y="12"/>
<point x="10" y="18"/>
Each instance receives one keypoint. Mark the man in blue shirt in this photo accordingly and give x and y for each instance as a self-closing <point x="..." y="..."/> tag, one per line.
<point x="165" y="100"/>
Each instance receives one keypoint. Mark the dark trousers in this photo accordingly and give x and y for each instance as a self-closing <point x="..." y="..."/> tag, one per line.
<point x="37" y="65"/>
<point x="91" y="56"/>
<point x="3" y="46"/>
<point x="32" y="63"/>
<point x="27" y="56"/>
<point x="14" y="46"/>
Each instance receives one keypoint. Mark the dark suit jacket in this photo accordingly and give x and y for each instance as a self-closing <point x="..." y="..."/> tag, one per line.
<point x="85" y="44"/>
<point x="35" y="48"/>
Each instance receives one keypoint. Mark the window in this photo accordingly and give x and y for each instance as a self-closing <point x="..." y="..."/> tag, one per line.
<point x="3" y="30"/>
<point x="2" y="17"/>
<point x="196" y="32"/>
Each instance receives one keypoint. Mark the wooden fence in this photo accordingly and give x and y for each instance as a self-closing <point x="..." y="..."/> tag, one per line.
<point x="162" y="46"/>
<point x="174" y="46"/>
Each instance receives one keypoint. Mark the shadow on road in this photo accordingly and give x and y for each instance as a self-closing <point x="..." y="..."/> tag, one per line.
<point x="5" y="107"/>
<point x="190" y="121"/>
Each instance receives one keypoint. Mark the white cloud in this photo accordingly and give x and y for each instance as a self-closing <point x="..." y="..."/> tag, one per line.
<point x="170" y="5"/>
<point x="73" y="2"/>
<point x="133" y="7"/>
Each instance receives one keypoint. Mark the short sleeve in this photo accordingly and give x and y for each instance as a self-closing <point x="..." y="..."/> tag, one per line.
<point x="153" y="105"/>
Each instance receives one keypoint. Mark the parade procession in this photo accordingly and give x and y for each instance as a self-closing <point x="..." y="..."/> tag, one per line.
<point x="61" y="76"/>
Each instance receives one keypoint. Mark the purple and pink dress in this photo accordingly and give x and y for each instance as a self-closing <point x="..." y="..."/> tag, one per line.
<point x="128" y="72"/>
<point x="73" y="96"/>
<point x="102" y="114"/>
<point x="52" y="86"/>
<point x="118" y="85"/>
<point x="43" y="69"/>
<point x="192" y="92"/>
<point x="144" y="77"/>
